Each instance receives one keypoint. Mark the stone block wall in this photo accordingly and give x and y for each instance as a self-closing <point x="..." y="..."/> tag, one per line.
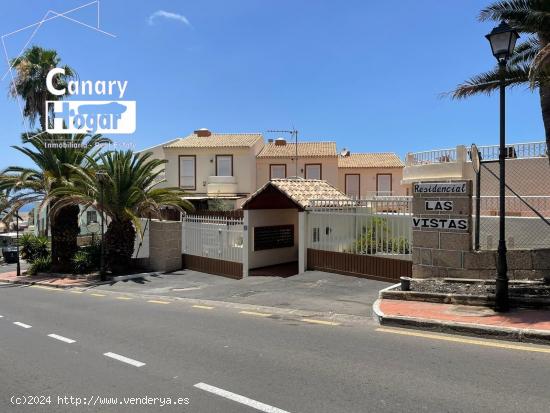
<point x="439" y="252"/>
<point x="522" y="264"/>
<point x="165" y="246"/>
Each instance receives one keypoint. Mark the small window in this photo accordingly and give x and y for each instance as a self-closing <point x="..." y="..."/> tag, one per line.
<point x="224" y="165"/>
<point x="277" y="171"/>
<point x="91" y="217"/>
<point x="313" y="171"/>
<point x="316" y="236"/>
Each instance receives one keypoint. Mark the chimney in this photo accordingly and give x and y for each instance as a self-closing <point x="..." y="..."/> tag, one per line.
<point x="202" y="132"/>
<point x="270" y="141"/>
<point x="280" y="142"/>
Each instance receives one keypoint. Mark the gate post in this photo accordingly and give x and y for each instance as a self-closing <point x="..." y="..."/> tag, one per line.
<point x="245" y="243"/>
<point x="442" y="229"/>
<point x="302" y="244"/>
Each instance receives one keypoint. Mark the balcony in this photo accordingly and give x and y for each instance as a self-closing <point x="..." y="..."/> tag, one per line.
<point x="444" y="164"/>
<point x="221" y="185"/>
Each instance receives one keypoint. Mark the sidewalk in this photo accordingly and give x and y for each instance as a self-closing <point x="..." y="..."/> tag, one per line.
<point x="11" y="277"/>
<point x="519" y="324"/>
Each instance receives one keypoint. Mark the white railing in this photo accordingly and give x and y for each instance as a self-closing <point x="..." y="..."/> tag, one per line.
<point x="525" y="150"/>
<point x="381" y="227"/>
<point x="213" y="237"/>
<point x="514" y="151"/>
<point x="436" y="156"/>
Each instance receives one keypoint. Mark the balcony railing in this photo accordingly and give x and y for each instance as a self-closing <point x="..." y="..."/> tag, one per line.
<point x="527" y="150"/>
<point x="515" y="151"/>
<point x="436" y="156"/>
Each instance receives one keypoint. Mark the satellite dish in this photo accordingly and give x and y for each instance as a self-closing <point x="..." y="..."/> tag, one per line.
<point x="344" y="152"/>
<point x="475" y="157"/>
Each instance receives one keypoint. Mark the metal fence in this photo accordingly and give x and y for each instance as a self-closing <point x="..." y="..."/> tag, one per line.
<point x="366" y="227"/>
<point x="213" y="237"/>
<point x="527" y="202"/>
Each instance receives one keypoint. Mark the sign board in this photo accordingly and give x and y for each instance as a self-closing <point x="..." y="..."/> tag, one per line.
<point x="439" y="206"/>
<point x="441" y="223"/>
<point x="440" y="188"/>
<point x="276" y="236"/>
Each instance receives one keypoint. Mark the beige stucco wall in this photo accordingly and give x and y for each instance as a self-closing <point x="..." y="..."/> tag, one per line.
<point x="329" y="168"/>
<point x="244" y="166"/>
<point x="368" y="179"/>
<point x="269" y="217"/>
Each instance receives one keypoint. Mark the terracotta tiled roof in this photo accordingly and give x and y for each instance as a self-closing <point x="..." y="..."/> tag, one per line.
<point x="311" y="149"/>
<point x="370" y="160"/>
<point x="217" y="140"/>
<point x="303" y="191"/>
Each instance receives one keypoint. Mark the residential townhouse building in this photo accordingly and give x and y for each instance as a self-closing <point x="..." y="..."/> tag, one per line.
<point x="364" y="175"/>
<point x="229" y="167"/>
<point x="219" y="166"/>
<point x="315" y="160"/>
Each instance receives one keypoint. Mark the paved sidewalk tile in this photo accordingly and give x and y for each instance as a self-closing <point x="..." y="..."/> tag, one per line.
<point x="516" y="318"/>
<point x="51" y="281"/>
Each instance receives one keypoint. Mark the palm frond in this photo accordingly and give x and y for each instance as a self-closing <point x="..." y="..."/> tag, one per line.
<point x="528" y="16"/>
<point x="488" y="82"/>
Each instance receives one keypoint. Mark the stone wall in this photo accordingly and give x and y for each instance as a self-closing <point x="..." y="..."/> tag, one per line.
<point x="165" y="246"/>
<point x="522" y="264"/>
<point x="440" y="252"/>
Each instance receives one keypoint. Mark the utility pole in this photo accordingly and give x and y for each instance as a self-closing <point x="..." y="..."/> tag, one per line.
<point x="294" y="133"/>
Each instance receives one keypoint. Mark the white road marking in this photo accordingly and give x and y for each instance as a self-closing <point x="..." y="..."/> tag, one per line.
<point x="239" y="399"/>
<point x="124" y="359"/>
<point x="1" y="316"/>
<point x="61" y="338"/>
<point x="17" y="323"/>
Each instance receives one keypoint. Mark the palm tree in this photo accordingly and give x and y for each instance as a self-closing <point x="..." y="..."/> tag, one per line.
<point x="530" y="63"/>
<point x="32" y="67"/>
<point x="51" y="155"/>
<point x="130" y="191"/>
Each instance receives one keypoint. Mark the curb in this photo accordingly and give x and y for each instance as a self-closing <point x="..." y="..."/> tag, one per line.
<point x="525" y="335"/>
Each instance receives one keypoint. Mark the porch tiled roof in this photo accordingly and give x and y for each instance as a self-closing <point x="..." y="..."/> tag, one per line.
<point x="303" y="191"/>
<point x="370" y="160"/>
<point x="305" y="149"/>
<point x="217" y="140"/>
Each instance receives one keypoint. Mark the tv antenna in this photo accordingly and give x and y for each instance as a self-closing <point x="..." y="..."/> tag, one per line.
<point x="294" y="133"/>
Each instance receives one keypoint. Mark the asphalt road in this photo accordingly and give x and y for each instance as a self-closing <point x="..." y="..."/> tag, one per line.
<point x="223" y="360"/>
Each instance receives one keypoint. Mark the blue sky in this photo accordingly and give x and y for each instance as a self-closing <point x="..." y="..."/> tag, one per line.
<point x="363" y="73"/>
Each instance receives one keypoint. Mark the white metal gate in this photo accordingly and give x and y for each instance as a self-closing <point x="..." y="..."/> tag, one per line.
<point x="213" y="237"/>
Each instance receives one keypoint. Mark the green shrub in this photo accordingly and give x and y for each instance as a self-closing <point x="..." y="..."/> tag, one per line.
<point x="400" y="245"/>
<point x="33" y="247"/>
<point x="87" y="259"/>
<point x="81" y="263"/>
<point x="42" y="264"/>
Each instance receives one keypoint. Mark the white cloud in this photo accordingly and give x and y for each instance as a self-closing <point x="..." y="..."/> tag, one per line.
<point x="168" y="15"/>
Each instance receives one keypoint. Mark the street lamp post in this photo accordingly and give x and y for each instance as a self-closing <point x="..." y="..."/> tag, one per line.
<point x="503" y="40"/>
<point x="101" y="176"/>
<point x="17" y="237"/>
